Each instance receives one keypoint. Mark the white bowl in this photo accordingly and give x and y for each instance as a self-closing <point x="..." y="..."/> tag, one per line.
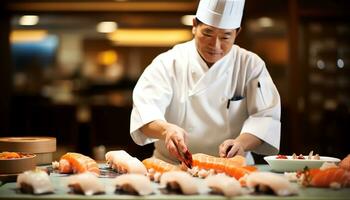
<point x="292" y="165"/>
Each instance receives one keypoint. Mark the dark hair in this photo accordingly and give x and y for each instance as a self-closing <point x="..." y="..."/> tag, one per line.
<point x="198" y="22"/>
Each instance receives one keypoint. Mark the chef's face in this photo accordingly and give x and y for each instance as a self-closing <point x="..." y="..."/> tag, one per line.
<point x="213" y="43"/>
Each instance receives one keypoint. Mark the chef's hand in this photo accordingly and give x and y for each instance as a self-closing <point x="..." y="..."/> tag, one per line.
<point x="175" y="138"/>
<point x="230" y="148"/>
<point x="244" y="142"/>
<point x="173" y="135"/>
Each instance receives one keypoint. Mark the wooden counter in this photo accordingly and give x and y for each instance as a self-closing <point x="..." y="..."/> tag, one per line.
<point x="9" y="191"/>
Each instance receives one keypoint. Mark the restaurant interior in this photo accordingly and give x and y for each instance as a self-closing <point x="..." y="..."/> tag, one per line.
<point x="68" y="68"/>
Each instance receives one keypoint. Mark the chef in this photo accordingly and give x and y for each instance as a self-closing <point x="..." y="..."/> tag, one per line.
<point x="208" y="95"/>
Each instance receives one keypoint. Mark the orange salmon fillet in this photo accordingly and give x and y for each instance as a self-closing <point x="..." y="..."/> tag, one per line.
<point x="77" y="163"/>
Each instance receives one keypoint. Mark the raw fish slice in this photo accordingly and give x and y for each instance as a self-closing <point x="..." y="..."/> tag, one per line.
<point x="266" y="181"/>
<point x="235" y="166"/>
<point x="179" y="180"/>
<point x="77" y="163"/>
<point x="85" y="183"/>
<point x="204" y="161"/>
<point x="122" y="162"/>
<point x="239" y="172"/>
<point x="35" y="182"/>
<point x="330" y="177"/>
<point x="223" y="184"/>
<point x="134" y="184"/>
<point x="159" y="165"/>
<point x="345" y="163"/>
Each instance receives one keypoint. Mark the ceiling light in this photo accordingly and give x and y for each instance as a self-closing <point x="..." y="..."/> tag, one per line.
<point x="28" y="20"/>
<point x="150" y="37"/>
<point x="187" y="20"/>
<point x="265" y="22"/>
<point x="106" y="27"/>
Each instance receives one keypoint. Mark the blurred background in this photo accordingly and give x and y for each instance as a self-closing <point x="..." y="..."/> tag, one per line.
<point x="68" y="68"/>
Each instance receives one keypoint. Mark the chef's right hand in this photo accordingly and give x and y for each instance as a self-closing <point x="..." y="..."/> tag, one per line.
<point x="175" y="138"/>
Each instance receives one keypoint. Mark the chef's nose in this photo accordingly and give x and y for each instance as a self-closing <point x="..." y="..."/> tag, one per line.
<point x="215" y="42"/>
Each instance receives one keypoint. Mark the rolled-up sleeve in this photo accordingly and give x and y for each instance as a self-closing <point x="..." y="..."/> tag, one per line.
<point x="264" y="108"/>
<point x="151" y="96"/>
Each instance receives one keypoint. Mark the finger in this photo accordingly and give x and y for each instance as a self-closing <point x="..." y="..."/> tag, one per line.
<point x="225" y="147"/>
<point x="180" y="143"/>
<point x="222" y="152"/>
<point x="241" y="152"/>
<point x="233" y="151"/>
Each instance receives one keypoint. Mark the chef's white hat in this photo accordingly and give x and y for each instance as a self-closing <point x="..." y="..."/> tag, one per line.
<point x="225" y="14"/>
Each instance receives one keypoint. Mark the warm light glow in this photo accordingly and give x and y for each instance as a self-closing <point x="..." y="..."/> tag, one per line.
<point x="28" y="20"/>
<point x="106" y="27"/>
<point x="265" y="22"/>
<point x="28" y="35"/>
<point x="107" y="57"/>
<point x="149" y="37"/>
<point x="187" y="20"/>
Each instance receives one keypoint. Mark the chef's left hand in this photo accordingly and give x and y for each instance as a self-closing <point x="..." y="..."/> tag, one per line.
<point x="238" y="146"/>
<point x="230" y="148"/>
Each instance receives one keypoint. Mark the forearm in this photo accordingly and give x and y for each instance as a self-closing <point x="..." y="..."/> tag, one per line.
<point x="248" y="141"/>
<point x="155" y="129"/>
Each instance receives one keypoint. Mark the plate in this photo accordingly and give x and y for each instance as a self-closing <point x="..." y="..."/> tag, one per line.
<point x="292" y="165"/>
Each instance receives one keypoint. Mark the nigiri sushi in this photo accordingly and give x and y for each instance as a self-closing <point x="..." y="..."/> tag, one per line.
<point x="134" y="184"/>
<point x="267" y="181"/>
<point x="34" y="182"/>
<point x="157" y="167"/>
<point x="179" y="181"/>
<point x="77" y="163"/>
<point x="122" y="162"/>
<point x="223" y="184"/>
<point x="85" y="183"/>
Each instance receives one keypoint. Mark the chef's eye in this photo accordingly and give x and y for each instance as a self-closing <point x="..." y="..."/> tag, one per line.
<point x="206" y="34"/>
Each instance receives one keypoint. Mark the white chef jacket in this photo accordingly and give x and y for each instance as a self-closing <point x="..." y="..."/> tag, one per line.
<point x="178" y="87"/>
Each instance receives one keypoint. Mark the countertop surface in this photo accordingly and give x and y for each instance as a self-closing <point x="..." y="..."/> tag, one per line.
<point x="10" y="191"/>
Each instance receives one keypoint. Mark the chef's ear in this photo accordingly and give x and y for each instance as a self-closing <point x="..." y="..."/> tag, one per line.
<point x="194" y="26"/>
<point x="238" y="30"/>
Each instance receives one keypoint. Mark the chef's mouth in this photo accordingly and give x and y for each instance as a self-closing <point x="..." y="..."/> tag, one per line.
<point x="213" y="53"/>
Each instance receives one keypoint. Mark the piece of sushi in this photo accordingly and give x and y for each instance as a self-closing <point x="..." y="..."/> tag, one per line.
<point x="77" y="163"/>
<point x="122" y="162"/>
<point x="133" y="184"/>
<point x="179" y="181"/>
<point x="223" y="184"/>
<point x="85" y="183"/>
<point x="34" y="182"/>
<point x="267" y="182"/>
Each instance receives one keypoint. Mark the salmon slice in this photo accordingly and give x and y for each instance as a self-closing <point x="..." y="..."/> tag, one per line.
<point x="234" y="166"/>
<point x="159" y="165"/>
<point x="77" y="163"/>
<point x="327" y="177"/>
<point x="239" y="172"/>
